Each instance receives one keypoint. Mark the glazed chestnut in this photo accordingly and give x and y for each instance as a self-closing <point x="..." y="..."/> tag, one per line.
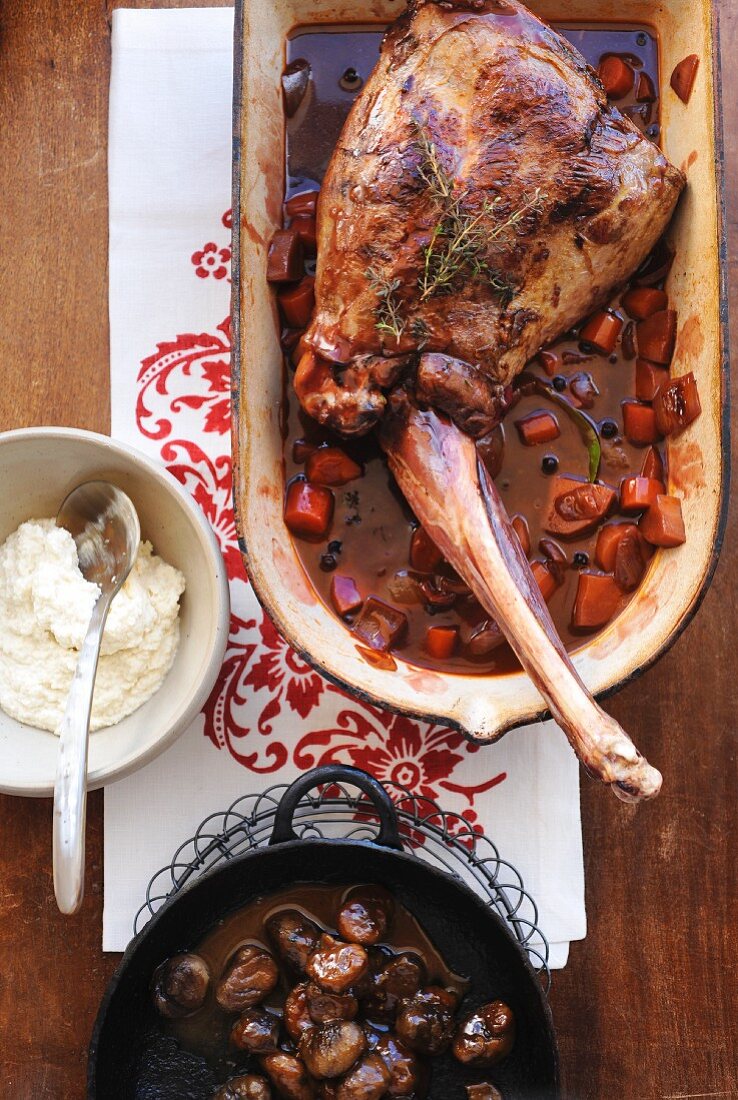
<point x="368" y="1080"/>
<point x="330" y="1049"/>
<point x="247" y="1087"/>
<point x="288" y="1075"/>
<point x="486" y="1035"/>
<point x="408" y="1075"/>
<point x="250" y="975"/>
<point x="294" y="936"/>
<point x="180" y="985"/>
<point x="297" y="1018"/>
<point x="336" y="966"/>
<point x="256" y="1030"/>
<point x="425" y="1022"/>
<point x="323" y="1006"/>
<point x="400" y="978"/>
<point x="485" y="1091"/>
<point x="365" y="915"/>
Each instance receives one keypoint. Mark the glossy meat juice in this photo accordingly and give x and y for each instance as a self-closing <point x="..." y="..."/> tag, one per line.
<point x="372" y="526"/>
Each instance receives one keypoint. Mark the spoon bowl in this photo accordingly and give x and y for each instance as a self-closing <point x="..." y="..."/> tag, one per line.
<point x="104" y="525"/>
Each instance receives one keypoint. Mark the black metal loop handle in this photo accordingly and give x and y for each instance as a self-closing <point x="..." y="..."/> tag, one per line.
<point x="388" y="837"/>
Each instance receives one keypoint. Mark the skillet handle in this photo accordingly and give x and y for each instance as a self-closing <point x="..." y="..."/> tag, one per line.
<point x="389" y="836"/>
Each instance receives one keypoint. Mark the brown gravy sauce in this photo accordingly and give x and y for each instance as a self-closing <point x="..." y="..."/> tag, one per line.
<point x="206" y="1033"/>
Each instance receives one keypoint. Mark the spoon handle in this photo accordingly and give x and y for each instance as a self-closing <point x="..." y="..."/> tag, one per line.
<point x="70" y="789"/>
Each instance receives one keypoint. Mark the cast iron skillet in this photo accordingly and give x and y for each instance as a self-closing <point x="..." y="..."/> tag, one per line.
<point x="131" y="1058"/>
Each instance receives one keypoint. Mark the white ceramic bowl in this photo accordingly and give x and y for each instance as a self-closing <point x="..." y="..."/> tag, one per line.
<point x="38" y="467"/>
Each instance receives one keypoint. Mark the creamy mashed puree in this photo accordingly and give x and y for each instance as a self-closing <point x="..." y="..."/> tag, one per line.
<point x="45" y="608"/>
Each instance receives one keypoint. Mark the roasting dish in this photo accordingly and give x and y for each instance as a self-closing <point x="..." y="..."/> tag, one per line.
<point x="484" y="708"/>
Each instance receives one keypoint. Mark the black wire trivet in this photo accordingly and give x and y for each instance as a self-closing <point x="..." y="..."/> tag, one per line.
<point x="443" y="838"/>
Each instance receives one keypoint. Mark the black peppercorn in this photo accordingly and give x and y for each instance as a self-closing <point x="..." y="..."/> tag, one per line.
<point x="608" y="429"/>
<point x="335" y="547"/>
<point x="350" y="80"/>
<point x="580" y="559"/>
<point x="549" y="464"/>
<point x="328" y="563"/>
<point x="559" y="383"/>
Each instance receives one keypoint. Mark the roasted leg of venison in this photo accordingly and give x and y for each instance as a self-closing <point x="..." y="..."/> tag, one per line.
<point x="484" y="197"/>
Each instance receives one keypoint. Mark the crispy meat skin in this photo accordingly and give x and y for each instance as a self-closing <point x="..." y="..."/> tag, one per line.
<point x="511" y="109"/>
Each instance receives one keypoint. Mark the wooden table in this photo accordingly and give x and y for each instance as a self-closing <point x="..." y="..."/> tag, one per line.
<point x="647" y="1008"/>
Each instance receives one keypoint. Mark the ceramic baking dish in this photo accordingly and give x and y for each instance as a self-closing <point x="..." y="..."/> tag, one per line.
<point x="483" y="707"/>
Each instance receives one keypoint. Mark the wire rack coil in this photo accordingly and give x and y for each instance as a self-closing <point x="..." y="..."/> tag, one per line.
<point x="441" y="837"/>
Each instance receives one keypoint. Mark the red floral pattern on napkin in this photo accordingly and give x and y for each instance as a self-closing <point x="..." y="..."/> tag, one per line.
<point x="184" y="405"/>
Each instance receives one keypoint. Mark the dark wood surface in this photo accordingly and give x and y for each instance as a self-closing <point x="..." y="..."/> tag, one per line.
<point x="647" y="1008"/>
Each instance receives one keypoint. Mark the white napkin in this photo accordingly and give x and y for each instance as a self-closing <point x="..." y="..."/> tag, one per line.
<point x="270" y="717"/>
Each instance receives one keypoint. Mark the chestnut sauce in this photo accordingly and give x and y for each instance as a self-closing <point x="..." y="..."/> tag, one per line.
<point x="371" y="529"/>
<point x="207" y="1032"/>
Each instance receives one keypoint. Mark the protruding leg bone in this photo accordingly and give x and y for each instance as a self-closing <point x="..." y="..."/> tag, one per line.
<point x="437" y="469"/>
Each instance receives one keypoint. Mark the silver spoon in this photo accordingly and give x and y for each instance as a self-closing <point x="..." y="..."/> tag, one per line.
<point x="105" y="527"/>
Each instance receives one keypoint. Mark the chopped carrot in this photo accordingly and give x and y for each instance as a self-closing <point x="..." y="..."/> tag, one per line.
<point x="308" y="510"/>
<point x="653" y="465"/>
<point x="345" y="596"/>
<point x="440" y="641"/>
<point x="540" y="426"/>
<point x="303" y="205"/>
<point x="645" y="91"/>
<point x="608" y="539"/>
<point x="677" y="404"/>
<point x="663" y="524"/>
<point x="301" y="449"/>
<point x="649" y="378"/>
<point x="550" y="362"/>
<point x="305" y="228"/>
<point x="520" y="527"/>
<point x="657" y="335"/>
<point x="639" y="422"/>
<point x="643" y="301"/>
<point x="639" y="493"/>
<point x="598" y="598"/>
<point x="545" y="578"/>
<point x="297" y="302"/>
<point x="424" y="554"/>
<point x="683" y="77"/>
<point x="632" y="555"/>
<point x="602" y="331"/>
<point x="575" y="507"/>
<point x="616" y="75"/>
<point x="331" y="466"/>
<point x="286" y="257"/>
<point x="380" y="625"/>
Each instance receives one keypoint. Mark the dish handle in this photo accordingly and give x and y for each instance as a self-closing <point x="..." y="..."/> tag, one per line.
<point x="388" y="836"/>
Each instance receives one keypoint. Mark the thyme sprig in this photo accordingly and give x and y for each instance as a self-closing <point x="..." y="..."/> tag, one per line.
<point x="460" y="241"/>
<point x="459" y="247"/>
<point x="387" y="315"/>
